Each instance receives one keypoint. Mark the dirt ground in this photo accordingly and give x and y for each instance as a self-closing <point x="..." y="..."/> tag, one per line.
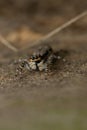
<point x="36" y="100"/>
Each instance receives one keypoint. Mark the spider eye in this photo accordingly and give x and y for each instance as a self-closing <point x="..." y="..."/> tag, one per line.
<point x="32" y="57"/>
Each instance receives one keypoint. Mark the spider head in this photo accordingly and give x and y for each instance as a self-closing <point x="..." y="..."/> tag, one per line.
<point x="35" y="58"/>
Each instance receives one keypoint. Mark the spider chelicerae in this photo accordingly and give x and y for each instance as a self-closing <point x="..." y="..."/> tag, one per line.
<point x="40" y="60"/>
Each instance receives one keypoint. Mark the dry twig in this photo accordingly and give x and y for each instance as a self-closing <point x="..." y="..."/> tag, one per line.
<point x="7" y="44"/>
<point x="57" y="30"/>
<point x="45" y="38"/>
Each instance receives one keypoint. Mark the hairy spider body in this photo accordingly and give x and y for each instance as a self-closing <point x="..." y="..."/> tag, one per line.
<point x="40" y="60"/>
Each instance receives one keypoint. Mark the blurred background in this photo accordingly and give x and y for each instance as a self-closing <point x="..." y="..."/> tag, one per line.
<point x="25" y="21"/>
<point x="33" y="102"/>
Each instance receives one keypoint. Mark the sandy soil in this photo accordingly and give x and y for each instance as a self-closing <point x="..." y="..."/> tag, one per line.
<point x="35" y="100"/>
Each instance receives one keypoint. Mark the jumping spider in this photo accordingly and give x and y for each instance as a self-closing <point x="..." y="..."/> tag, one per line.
<point x="40" y="60"/>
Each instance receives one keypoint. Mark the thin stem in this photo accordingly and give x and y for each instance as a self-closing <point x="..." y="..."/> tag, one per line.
<point x="57" y="30"/>
<point x="7" y="44"/>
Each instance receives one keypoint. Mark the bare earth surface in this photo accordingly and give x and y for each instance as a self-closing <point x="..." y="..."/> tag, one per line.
<point x="39" y="101"/>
